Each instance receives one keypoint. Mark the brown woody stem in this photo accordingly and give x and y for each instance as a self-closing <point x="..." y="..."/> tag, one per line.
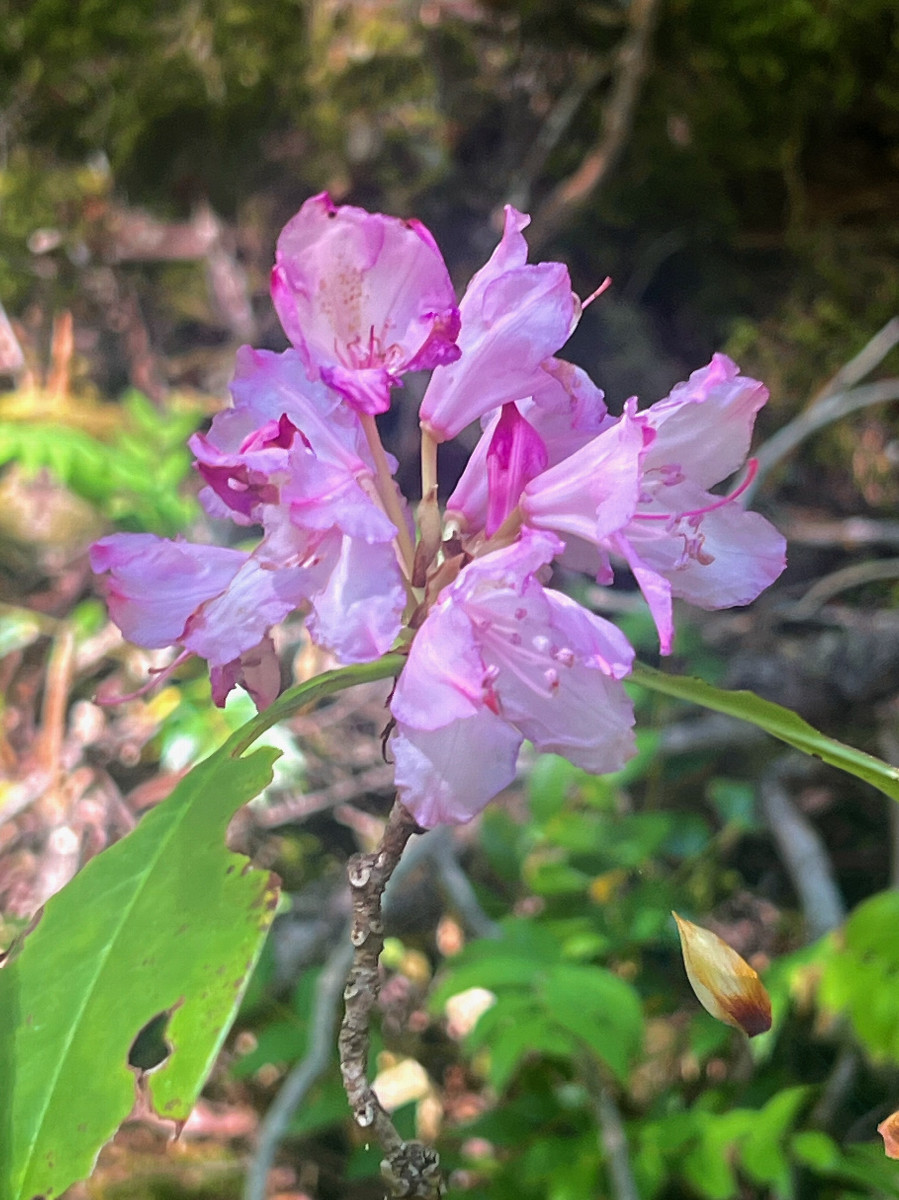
<point x="410" y="1168"/>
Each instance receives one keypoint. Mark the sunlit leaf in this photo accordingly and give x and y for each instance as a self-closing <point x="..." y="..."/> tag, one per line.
<point x="167" y="921"/>
<point x="780" y="722"/>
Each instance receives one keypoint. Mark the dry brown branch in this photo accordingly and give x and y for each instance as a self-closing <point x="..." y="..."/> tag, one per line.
<point x="840" y="581"/>
<point x="631" y="63"/>
<point x="560" y="116"/>
<point x="410" y="1168"/>
<point x="847" y="532"/>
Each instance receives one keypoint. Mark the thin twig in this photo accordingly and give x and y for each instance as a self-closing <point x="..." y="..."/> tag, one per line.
<point x="562" y="113"/>
<point x="457" y="885"/>
<point x="825" y="412"/>
<point x="803" y="852"/>
<point x="631" y="65"/>
<point x="836" y="1087"/>
<point x="846" y="532"/>
<point x="612" y="1135"/>
<point x="870" y="356"/>
<point x="305" y="1073"/>
<point x="410" y="1168"/>
<point x="840" y="581"/>
<point x="438" y="846"/>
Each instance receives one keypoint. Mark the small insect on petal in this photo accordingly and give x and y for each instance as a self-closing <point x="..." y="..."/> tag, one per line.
<point x="725" y="984"/>
<point x="889" y="1131"/>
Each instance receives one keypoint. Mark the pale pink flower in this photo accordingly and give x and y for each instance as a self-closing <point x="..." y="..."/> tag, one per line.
<point x="678" y="538"/>
<point x="364" y="298"/>
<point x="684" y="540"/>
<point x="514" y="315"/>
<point x="564" y="408"/>
<point x="210" y="601"/>
<point x="289" y="443"/>
<point x="498" y="659"/>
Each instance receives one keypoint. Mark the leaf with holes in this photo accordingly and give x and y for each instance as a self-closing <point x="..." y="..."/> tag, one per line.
<point x="165" y="924"/>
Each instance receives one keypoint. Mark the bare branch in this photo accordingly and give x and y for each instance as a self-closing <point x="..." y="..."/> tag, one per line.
<point x="803" y="852"/>
<point x="612" y="1135"/>
<point x="560" y="116"/>
<point x="840" y="581"/>
<point x="410" y="1168"/>
<point x="870" y="356"/>
<point x="847" y="532"/>
<point x="831" y="408"/>
<point x="631" y="66"/>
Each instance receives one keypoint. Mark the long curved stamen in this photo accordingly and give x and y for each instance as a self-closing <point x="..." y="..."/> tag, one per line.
<point x="159" y="674"/>
<point x="752" y="467"/>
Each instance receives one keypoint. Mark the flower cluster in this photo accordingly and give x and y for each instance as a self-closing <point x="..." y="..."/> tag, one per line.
<point x="495" y="656"/>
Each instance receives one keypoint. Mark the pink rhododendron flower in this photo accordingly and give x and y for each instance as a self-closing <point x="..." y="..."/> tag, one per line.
<point x="208" y="600"/>
<point x="289" y="445"/>
<point x="364" y="298"/>
<point x="679" y="539"/>
<point x="291" y="457"/>
<point x="514" y="315"/>
<point x="495" y="656"/>
<point x="563" y="407"/>
<point x="498" y="659"/>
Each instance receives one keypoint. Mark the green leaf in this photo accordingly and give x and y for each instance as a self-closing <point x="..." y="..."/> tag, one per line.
<point x="762" y="1153"/>
<point x="815" y="1150"/>
<point x="167" y="921"/>
<point x="707" y="1164"/>
<point x="861" y="974"/>
<point x="780" y="722"/>
<point x="599" y="1009"/>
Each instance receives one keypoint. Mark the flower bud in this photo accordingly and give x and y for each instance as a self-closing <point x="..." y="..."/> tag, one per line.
<point x="725" y="984"/>
<point x="889" y="1131"/>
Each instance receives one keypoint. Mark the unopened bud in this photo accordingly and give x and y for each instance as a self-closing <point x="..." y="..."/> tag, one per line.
<point x="889" y="1131"/>
<point x="725" y="984"/>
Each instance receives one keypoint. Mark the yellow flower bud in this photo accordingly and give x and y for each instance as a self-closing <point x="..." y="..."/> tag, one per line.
<point x="725" y="984"/>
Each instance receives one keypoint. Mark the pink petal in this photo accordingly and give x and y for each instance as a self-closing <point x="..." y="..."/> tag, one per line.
<point x="446" y="776"/>
<point x="154" y="585"/>
<point x="565" y="409"/>
<point x="515" y="455"/>
<point x="364" y="297"/>
<point x="266" y="384"/>
<point x="555" y="670"/>
<point x="722" y="559"/>
<point x="443" y="680"/>
<point x="357" y="615"/>
<point x="256" y="599"/>
<point x="704" y="427"/>
<point x="514" y="316"/>
<point x="595" y="491"/>
<point x="257" y="671"/>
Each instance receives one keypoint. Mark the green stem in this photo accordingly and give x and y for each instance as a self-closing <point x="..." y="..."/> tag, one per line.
<point x="387" y="490"/>
<point x="313" y="691"/>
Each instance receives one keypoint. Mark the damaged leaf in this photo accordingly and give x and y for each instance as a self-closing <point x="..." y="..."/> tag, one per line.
<point x="167" y="921"/>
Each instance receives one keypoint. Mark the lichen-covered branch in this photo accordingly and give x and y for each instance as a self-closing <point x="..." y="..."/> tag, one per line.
<point x="410" y="1168"/>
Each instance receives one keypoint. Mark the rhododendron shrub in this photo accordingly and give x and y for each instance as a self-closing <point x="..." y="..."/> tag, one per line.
<point x="495" y="653"/>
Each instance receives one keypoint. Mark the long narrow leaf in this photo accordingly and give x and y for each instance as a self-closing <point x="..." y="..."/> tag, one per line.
<point x="780" y="722"/>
